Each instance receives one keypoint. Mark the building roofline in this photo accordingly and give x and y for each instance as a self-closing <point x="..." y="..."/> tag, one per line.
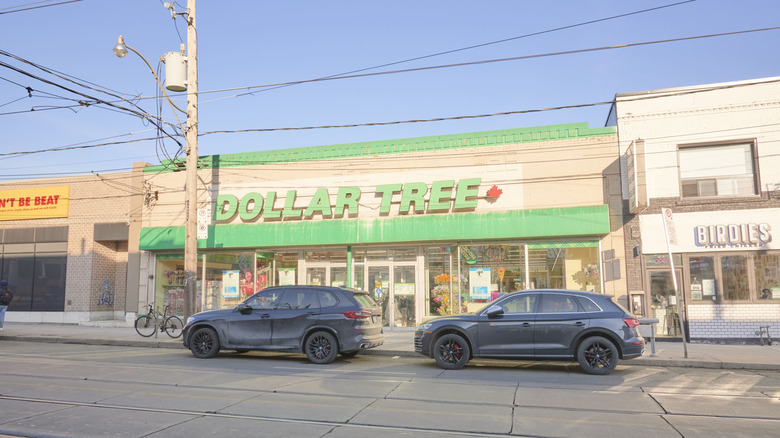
<point x="394" y="146"/>
<point x="704" y="87"/>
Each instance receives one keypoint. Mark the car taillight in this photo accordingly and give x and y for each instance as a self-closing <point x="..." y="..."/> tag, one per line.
<point x="357" y="314"/>
<point x="631" y="322"/>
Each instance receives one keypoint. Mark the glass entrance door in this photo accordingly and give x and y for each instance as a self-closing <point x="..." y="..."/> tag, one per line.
<point x="403" y="288"/>
<point x="395" y="293"/>
<point x="378" y="283"/>
<point x="663" y="303"/>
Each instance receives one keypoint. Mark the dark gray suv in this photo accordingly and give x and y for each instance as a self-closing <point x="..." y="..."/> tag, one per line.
<point x="319" y="321"/>
<point x="546" y="324"/>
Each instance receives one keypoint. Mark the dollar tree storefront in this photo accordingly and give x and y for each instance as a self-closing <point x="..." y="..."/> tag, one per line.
<point x="430" y="226"/>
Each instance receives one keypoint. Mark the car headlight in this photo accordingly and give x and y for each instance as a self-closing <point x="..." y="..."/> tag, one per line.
<point x="424" y="326"/>
<point x="190" y="320"/>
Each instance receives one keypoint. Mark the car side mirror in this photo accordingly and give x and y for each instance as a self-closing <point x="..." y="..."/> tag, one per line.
<point x="244" y="308"/>
<point x="494" y="311"/>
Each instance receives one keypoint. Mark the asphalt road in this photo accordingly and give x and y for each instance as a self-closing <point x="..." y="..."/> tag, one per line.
<point x="67" y="390"/>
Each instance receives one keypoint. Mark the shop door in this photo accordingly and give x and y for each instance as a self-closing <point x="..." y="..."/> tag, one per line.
<point x="663" y="304"/>
<point x="379" y="285"/>
<point x="402" y="291"/>
<point x="395" y="293"/>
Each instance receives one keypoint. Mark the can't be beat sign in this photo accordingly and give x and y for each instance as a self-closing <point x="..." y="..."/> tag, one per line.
<point x="37" y="203"/>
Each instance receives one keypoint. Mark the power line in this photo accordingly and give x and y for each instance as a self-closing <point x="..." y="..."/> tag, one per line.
<point x="36" y="7"/>
<point x="475" y="46"/>
<point x="646" y="97"/>
<point x="516" y="58"/>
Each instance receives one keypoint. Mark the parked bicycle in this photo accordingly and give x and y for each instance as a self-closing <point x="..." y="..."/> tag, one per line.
<point x="147" y="324"/>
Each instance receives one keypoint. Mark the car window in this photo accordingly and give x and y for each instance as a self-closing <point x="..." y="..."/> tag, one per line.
<point x="265" y="300"/>
<point x="365" y="300"/>
<point x="328" y="299"/>
<point x="299" y="299"/>
<point x="520" y="303"/>
<point x="555" y="303"/>
<point x="589" y="305"/>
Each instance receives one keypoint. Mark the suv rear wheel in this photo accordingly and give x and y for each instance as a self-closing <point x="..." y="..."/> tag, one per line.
<point x="597" y="355"/>
<point x="321" y="348"/>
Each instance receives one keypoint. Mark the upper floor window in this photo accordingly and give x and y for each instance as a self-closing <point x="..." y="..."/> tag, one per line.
<point x="717" y="170"/>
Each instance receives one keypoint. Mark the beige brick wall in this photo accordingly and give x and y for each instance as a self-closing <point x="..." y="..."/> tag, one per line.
<point x="94" y="199"/>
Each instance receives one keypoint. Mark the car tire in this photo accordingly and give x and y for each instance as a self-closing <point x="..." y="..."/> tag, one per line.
<point x="451" y="352"/>
<point x="321" y="348"/>
<point x="204" y="343"/>
<point x="597" y="355"/>
<point x="349" y="354"/>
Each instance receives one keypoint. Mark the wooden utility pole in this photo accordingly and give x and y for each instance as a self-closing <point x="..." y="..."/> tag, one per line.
<point x="191" y="188"/>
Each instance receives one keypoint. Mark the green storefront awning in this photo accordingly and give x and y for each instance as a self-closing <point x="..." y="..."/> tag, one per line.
<point x="520" y="224"/>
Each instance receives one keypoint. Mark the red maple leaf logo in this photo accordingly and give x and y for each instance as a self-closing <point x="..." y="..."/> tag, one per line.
<point x="494" y="192"/>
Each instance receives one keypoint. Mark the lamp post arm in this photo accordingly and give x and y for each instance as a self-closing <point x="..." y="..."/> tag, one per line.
<point x="157" y="79"/>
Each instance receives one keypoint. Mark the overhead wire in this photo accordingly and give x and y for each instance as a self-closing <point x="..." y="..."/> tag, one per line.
<point x="475" y="46"/>
<point x="638" y="98"/>
<point x="6" y="11"/>
<point x="401" y="71"/>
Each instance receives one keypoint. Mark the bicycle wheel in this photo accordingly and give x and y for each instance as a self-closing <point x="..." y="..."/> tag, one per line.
<point x="173" y="326"/>
<point x="145" y="326"/>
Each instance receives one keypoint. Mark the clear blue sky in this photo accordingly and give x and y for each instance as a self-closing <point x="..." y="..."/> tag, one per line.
<point x="253" y="43"/>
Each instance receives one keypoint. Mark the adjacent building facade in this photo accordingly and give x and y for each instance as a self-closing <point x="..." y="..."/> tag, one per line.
<point x="708" y="156"/>
<point x="66" y="247"/>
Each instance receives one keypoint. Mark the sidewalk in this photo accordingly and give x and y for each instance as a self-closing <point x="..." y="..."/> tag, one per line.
<point x="400" y="342"/>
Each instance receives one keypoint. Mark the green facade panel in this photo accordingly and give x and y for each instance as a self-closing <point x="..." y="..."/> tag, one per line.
<point x="521" y="224"/>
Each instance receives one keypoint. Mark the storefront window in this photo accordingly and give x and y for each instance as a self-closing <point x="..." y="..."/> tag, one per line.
<point x="316" y="276"/>
<point x="564" y="266"/>
<point x="662" y="260"/>
<point x="230" y="278"/>
<point x="263" y="270"/>
<point x="286" y="264"/>
<point x="441" y="283"/>
<point x="169" y="284"/>
<point x="358" y="275"/>
<point x="326" y="268"/>
<point x="735" y="277"/>
<point x="489" y="271"/>
<point x="702" y="278"/>
<point x="37" y="281"/>
<point x="767" y="271"/>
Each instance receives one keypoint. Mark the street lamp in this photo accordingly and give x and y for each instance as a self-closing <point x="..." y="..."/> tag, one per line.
<point x="191" y="149"/>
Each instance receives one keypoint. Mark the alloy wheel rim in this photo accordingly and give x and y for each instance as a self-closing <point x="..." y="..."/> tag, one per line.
<point x="598" y="356"/>
<point x="452" y="352"/>
<point x="320" y="347"/>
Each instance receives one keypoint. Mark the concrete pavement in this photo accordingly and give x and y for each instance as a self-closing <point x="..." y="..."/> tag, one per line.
<point x="399" y="342"/>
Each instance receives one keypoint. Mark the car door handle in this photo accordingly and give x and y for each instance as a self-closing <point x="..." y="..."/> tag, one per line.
<point x="579" y="323"/>
<point x="265" y="315"/>
<point x="526" y="324"/>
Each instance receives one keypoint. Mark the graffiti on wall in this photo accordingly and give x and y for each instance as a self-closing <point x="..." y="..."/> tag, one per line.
<point x="106" y="295"/>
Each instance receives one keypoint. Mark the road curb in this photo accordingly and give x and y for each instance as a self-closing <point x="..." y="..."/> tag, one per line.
<point x="176" y="344"/>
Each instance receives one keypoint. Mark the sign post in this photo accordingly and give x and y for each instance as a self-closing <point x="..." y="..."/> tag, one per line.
<point x="671" y="237"/>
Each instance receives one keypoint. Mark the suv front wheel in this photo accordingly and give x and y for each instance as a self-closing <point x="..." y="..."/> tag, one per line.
<point x="451" y="352"/>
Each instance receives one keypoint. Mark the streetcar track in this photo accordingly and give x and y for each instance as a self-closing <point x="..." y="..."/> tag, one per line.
<point x="197" y="414"/>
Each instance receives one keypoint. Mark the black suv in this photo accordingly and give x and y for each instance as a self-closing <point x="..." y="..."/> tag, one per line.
<point x="547" y="324"/>
<point x="319" y="321"/>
